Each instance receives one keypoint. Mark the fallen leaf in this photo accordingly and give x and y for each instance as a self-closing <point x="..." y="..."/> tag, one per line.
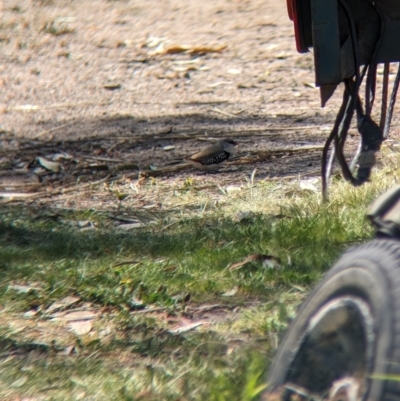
<point x="112" y="86"/>
<point x="233" y="188"/>
<point x="207" y="49"/>
<point x="69" y="350"/>
<point x="62" y="156"/>
<point x="49" y="165"/>
<point x="62" y="304"/>
<point x="153" y="41"/>
<point x="307" y="185"/>
<point x="39" y="170"/>
<point x="310" y="85"/>
<point x="215" y="84"/>
<point x="186" y="327"/>
<point x="176" y="49"/>
<point x="81" y="327"/>
<point x="29" y="314"/>
<point x="267" y="261"/>
<point x="150" y="206"/>
<point x="184" y="68"/>
<point x="166" y="148"/>
<point x="271" y="262"/>
<point x="23" y="288"/>
<point x="84" y="223"/>
<point x="131" y="226"/>
<point x="282" y="55"/>
<point x="78" y="315"/>
<point x="231" y="292"/>
<point x="20" y="382"/>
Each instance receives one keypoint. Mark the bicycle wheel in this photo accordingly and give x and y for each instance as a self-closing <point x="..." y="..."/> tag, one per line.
<point x="345" y="341"/>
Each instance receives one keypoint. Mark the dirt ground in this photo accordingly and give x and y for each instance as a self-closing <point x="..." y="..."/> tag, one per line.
<point x="104" y="89"/>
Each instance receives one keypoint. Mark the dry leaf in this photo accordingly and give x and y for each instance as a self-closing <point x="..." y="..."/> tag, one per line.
<point x="308" y="185"/>
<point x="39" y="170"/>
<point x="271" y="262"/>
<point x="29" y="314"/>
<point x="78" y="315"/>
<point x="310" y="85"/>
<point x="153" y="41"/>
<point x="282" y="55"/>
<point x="267" y="261"/>
<point x="131" y="226"/>
<point x="81" y="327"/>
<point x="64" y="303"/>
<point x="49" y="165"/>
<point x="186" y="327"/>
<point x="176" y="49"/>
<point x="207" y="49"/>
<point x="84" y="223"/>
<point x="166" y="148"/>
<point x="233" y="188"/>
<point x="69" y="350"/>
<point x="62" y="156"/>
<point x="215" y="84"/>
<point x="20" y="382"/>
<point x="23" y="288"/>
<point x="112" y="86"/>
<point x="231" y="292"/>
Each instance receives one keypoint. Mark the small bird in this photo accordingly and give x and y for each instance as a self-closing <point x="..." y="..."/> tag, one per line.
<point x="212" y="156"/>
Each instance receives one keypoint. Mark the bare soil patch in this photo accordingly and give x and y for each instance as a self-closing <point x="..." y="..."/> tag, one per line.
<point x="106" y="84"/>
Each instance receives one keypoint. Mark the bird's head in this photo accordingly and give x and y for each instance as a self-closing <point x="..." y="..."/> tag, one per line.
<point x="228" y="144"/>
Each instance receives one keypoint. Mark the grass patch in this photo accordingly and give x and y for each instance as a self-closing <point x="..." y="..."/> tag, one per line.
<point x="179" y="267"/>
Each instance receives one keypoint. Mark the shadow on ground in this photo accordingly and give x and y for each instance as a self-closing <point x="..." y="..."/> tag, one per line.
<point x="127" y="143"/>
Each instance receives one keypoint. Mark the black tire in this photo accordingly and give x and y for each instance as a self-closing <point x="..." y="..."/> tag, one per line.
<point x="346" y="336"/>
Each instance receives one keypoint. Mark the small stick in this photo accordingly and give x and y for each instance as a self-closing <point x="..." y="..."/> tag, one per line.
<point x="48" y="131"/>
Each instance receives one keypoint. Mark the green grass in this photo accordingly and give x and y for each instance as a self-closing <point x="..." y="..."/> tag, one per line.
<point x="178" y="265"/>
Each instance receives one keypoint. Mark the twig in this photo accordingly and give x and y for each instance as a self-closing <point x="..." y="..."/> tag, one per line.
<point x="224" y="113"/>
<point x="35" y="107"/>
<point x="153" y="173"/>
<point x="40" y="134"/>
<point x="100" y="159"/>
<point x="127" y="262"/>
<point x="142" y="311"/>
